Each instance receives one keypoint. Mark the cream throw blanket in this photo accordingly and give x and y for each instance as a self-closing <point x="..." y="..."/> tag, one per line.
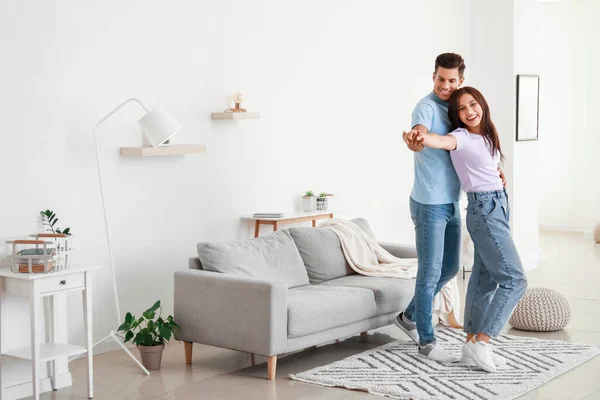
<point x="367" y="257"/>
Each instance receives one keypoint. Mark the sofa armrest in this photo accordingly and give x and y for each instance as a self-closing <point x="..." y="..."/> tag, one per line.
<point x="235" y="312"/>
<point x="400" y="250"/>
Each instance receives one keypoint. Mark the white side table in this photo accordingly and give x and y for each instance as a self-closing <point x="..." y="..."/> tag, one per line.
<point x="35" y="286"/>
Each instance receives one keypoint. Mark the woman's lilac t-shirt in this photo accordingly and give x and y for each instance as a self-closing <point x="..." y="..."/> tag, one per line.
<point x="475" y="166"/>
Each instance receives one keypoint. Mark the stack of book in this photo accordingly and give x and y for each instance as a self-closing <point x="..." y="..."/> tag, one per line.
<point x="267" y="215"/>
<point x="37" y="264"/>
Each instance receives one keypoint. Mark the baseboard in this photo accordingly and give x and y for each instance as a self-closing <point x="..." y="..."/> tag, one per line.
<point x="23" y="390"/>
<point x="562" y="228"/>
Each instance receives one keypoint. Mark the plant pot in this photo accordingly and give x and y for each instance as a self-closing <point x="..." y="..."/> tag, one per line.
<point x="309" y="203"/>
<point x="322" y="203"/>
<point x="151" y="356"/>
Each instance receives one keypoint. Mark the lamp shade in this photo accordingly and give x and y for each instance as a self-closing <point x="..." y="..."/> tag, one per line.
<point x="159" y="126"/>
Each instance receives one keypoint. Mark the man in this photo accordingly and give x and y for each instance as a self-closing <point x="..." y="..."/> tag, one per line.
<point x="434" y="208"/>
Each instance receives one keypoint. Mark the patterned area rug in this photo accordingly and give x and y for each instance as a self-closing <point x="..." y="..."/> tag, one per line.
<point x="396" y="369"/>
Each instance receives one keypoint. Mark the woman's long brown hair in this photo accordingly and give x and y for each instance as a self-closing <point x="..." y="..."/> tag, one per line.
<point x="488" y="129"/>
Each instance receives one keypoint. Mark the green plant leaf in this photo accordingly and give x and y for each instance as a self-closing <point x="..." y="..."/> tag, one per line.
<point x="124" y="327"/>
<point x="155" y="307"/>
<point x="165" y="332"/>
<point x="149" y="314"/>
<point x="128" y="336"/>
<point x="129" y="318"/>
<point x="66" y="231"/>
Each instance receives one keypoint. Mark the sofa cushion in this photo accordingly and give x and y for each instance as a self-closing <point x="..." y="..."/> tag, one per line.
<point x="363" y="224"/>
<point x="321" y="252"/>
<point x="274" y="256"/>
<point x="391" y="294"/>
<point x="316" y="308"/>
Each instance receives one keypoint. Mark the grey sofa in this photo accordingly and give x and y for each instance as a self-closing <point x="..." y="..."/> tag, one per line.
<point x="282" y="292"/>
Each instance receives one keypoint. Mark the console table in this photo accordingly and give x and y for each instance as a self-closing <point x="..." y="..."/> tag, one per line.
<point x="289" y="219"/>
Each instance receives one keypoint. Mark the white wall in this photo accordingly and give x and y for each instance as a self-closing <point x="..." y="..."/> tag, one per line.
<point x="505" y="43"/>
<point x="570" y="187"/>
<point x="334" y="83"/>
<point x="526" y="189"/>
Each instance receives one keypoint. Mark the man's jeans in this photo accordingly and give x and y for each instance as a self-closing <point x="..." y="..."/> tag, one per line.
<point x="437" y="229"/>
<point x="498" y="280"/>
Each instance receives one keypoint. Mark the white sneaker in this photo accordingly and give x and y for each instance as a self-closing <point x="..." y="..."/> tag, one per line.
<point x="435" y="352"/>
<point x="497" y="359"/>
<point x="407" y="326"/>
<point x="480" y="354"/>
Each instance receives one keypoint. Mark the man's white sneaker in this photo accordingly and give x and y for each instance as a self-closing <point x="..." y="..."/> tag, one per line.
<point x="407" y="326"/>
<point x="480" y="354"/>
<point x="436" y="353"/>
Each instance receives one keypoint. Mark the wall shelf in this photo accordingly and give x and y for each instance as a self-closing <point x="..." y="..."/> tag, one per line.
<point x="170" y="150"/>
<point x="234" y="115"/>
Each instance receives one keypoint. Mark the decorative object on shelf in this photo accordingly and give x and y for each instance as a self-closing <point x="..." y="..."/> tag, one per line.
<point x="149" y="333"/>
<point x="528" y="107"/>
<point x="541" y="310"/>
<point x="309" y="202"/>
<point x="46" y="256"/>
<point x="237" y="100"/>
<point x="237" y="112"/>
<point x="50" y="219"/>
<point x="322" y="201"/>
<point x="158" y="127"/>
<point x="597" y="233"/>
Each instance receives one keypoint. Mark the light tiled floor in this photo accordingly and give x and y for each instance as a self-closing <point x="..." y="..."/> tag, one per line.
<point x="570" y="264"/>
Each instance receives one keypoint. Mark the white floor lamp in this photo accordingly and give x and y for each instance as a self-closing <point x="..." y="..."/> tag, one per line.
<point x="158" y="127"/>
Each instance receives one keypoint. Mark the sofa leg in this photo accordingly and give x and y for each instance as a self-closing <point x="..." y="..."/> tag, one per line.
<point x="188" y="351"/>
<point x="363" y="334"/>
<point x="252" y="359"/>
<point x="272" y="366"/>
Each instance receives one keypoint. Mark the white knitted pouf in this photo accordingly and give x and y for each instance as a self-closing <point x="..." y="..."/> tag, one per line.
<point x="541" y="310"/>
<point x="597" y="233"/>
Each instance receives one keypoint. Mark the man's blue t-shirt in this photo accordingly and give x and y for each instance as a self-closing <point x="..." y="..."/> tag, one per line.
<point x="436" y="181"/>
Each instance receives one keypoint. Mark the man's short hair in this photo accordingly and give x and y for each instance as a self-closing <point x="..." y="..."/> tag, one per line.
<point x="450" y="61"/>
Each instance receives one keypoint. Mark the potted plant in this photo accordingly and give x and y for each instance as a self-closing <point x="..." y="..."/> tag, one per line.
<point x="50" y="219"/>
<point x="308" y="201"/>
<point x="149" y="333"/>
<point x="322" y="202"/>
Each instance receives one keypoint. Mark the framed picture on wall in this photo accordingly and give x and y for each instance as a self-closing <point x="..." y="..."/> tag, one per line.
<point x="528" y="107"/>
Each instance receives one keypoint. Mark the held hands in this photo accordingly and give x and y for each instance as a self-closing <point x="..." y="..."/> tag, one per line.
<point x="413" y="140"/>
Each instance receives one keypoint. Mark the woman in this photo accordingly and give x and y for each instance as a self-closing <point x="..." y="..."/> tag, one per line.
<point x="498" y="280"/>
